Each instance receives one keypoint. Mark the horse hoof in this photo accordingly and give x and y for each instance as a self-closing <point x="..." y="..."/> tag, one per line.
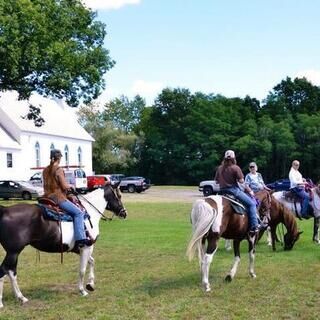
<point x="206" y="287"/>
<point x="23" y="300"/>
<point x="84" y="293"/>
<point x="228" y="278"/>
<point x="253" y="275"/>
<point x="89" y="287"/>
<point x="316" y="241"/>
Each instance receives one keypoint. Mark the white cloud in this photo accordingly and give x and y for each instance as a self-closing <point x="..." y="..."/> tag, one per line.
<point x="147" y="90"/>
<point x="109" y="4"/>
<point x="311" y="75"/>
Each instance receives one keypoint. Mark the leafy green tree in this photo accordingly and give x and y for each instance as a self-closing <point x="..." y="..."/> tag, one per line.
<point x="307" y="135"/>
<point x="124" y="113"/>
<point x="294" y="97"/>
<point x="112" y="148"/>
<point x="53" y="47"/>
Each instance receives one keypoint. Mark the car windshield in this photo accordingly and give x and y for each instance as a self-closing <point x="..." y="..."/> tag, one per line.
<point x="25" y="184"/>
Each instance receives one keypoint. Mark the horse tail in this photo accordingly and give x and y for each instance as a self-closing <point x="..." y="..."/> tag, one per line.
<point x="202" y="217"/>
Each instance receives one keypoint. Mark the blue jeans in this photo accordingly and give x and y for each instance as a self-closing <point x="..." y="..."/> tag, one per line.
<point x="304" y="196"/>
<point x="77" y="215"/>
<point x="249" y="202"/>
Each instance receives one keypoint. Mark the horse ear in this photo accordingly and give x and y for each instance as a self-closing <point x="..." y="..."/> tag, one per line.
<point x="115" y="185"/>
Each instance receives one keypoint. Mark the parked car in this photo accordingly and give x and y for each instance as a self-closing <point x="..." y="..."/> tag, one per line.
<point x="209" y="187"/>
<point x="36" y="179"/>
<point x="95" y="182"/>
<point x="116" y="177"/>
<point x="112" y="178"/>
<point x="19" y="189"/>
<point x="134" y="184"/>
<point x="76" y="177"/>
<point x="284" y="184"/>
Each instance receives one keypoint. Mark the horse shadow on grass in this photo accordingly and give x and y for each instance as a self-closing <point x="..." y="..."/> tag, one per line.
<point x="155" y="286"/>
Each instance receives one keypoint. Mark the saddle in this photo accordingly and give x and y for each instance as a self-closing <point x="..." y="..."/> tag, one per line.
<point x="291" y="196"/>
<point x="50" y="204"/>
<point x="237" y="206"/>
<point x="52" y="211"/>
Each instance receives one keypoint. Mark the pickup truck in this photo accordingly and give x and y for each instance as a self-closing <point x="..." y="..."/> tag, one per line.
<point x="95" y="182"/>
<point x="209" y="187"/>
<point x="134" y="184"/>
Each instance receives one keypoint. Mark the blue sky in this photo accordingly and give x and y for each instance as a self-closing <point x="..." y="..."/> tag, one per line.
<point x="233" y="48"/>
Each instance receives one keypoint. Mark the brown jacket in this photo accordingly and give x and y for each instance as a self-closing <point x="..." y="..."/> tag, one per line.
<point x="228" y="175"/>
<point x="54" y="182"/>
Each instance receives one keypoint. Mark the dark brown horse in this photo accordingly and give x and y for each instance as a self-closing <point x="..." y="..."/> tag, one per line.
<point x="213" y="218"/>
<point x="279" y="213"/>
<point x="24" y="224"/>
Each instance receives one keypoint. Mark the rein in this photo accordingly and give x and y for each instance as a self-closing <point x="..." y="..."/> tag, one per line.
<point x="104" y="217"/>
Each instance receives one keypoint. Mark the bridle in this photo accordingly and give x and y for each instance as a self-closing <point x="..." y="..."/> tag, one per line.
<point x="266" y="202"/>
<point x="103" y="216"/>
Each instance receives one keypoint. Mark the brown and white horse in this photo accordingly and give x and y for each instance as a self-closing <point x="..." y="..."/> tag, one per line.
<point x="212" y="218"/>
<point x="23" y="224"/>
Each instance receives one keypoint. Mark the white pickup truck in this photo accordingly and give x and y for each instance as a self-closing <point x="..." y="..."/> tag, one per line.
<point x="209" y="187"/>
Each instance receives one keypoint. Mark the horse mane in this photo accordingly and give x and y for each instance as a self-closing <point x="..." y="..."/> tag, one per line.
<point x="288" y="219"/>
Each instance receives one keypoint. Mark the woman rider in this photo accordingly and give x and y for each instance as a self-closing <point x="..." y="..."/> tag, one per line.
<point x="55" y="188"/>
<point x="229" y="176"/>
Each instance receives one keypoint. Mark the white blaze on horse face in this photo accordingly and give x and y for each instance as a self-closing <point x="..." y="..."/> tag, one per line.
<point x="217" y="222"/>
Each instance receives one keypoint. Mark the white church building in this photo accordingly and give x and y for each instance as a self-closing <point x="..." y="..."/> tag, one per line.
<point x="25" y="148"/>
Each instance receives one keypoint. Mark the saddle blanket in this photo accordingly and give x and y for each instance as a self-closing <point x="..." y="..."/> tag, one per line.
<point x="237" y="206"/>
<point x="53" y="215"/>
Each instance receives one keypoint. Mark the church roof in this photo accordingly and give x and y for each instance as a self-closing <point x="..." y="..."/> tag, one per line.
<point x="60" y="119"/>
<point x="6" y="141"/>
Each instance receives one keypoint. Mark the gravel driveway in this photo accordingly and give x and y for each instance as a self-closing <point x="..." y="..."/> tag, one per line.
<point x="164" y="194"/>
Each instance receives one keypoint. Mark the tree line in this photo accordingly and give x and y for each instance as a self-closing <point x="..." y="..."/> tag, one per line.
<point x="56" y="48"/>
<point x="182" y="136"/>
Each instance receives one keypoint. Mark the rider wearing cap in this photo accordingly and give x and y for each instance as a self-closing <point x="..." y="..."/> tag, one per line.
<point x="55" y="188"/>
<point x="229" y="176"/>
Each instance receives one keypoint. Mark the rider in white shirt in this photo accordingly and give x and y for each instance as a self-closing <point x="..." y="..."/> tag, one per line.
<point x="297" y="185"/>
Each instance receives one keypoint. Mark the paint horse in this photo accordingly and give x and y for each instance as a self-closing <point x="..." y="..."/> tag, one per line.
<point x="296" y="207"/>
<point x="24" y="224"/>
<point x="214" y="217"/>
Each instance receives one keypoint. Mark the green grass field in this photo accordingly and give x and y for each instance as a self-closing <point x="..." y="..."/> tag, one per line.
<point x="142" y="273"/>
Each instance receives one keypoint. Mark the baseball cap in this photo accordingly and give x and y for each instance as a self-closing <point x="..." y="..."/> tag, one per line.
<point x="229" y="154"/>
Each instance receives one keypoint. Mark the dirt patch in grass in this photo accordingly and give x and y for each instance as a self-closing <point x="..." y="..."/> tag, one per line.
<point x="164" y="194"/>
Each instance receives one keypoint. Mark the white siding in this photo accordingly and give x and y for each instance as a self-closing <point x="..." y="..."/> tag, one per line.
<point x="19" y="137"/>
